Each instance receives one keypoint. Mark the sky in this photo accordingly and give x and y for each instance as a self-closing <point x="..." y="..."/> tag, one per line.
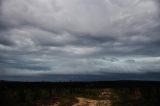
<point x="79" y="40"/>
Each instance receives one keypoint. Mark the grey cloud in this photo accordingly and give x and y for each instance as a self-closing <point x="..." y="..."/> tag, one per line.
<point x="6" y="40"/>
<point x="1" y="5"/>
<point x="11" y="62"/>
<point x="158" y="4"/>
<point x="112" y="59"/>
<point x="79" y="37"/>
<point x="88" y="40"/>
<point x="3" y="25"/>
<point x="90" y="25"/>
<point x="131" y="61"/>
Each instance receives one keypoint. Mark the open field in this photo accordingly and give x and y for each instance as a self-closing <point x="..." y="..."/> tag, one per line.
<point x="104" y="93"/>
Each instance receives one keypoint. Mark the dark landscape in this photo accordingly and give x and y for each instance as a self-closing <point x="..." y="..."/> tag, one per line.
<point x="99" y="93"/>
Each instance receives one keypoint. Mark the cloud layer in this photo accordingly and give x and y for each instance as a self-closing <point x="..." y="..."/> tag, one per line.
<point x="46" y="37"/>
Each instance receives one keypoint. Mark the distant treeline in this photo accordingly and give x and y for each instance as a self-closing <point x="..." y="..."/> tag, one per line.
<point x="96" y="84"/>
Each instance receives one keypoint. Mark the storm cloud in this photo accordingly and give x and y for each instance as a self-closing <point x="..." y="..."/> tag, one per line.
<point x="82" y="37"/>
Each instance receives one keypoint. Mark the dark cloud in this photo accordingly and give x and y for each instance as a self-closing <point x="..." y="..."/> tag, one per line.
<point x="5" y="40"/>
<point x="106" y="76"/>
<point x="3" y="26"/>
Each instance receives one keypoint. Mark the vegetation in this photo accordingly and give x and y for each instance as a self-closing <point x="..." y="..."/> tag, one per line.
<point x="66" y="93"/>
<point x="137" y="96"/>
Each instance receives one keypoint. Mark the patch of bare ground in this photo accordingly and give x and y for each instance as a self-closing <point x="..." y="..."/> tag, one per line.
<point x="105" y="100"/>
<point x="51" y="104"/>
<point x="90" y="102"/>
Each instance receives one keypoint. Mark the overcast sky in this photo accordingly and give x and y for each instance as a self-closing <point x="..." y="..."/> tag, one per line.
<point x="82" y="37"/>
